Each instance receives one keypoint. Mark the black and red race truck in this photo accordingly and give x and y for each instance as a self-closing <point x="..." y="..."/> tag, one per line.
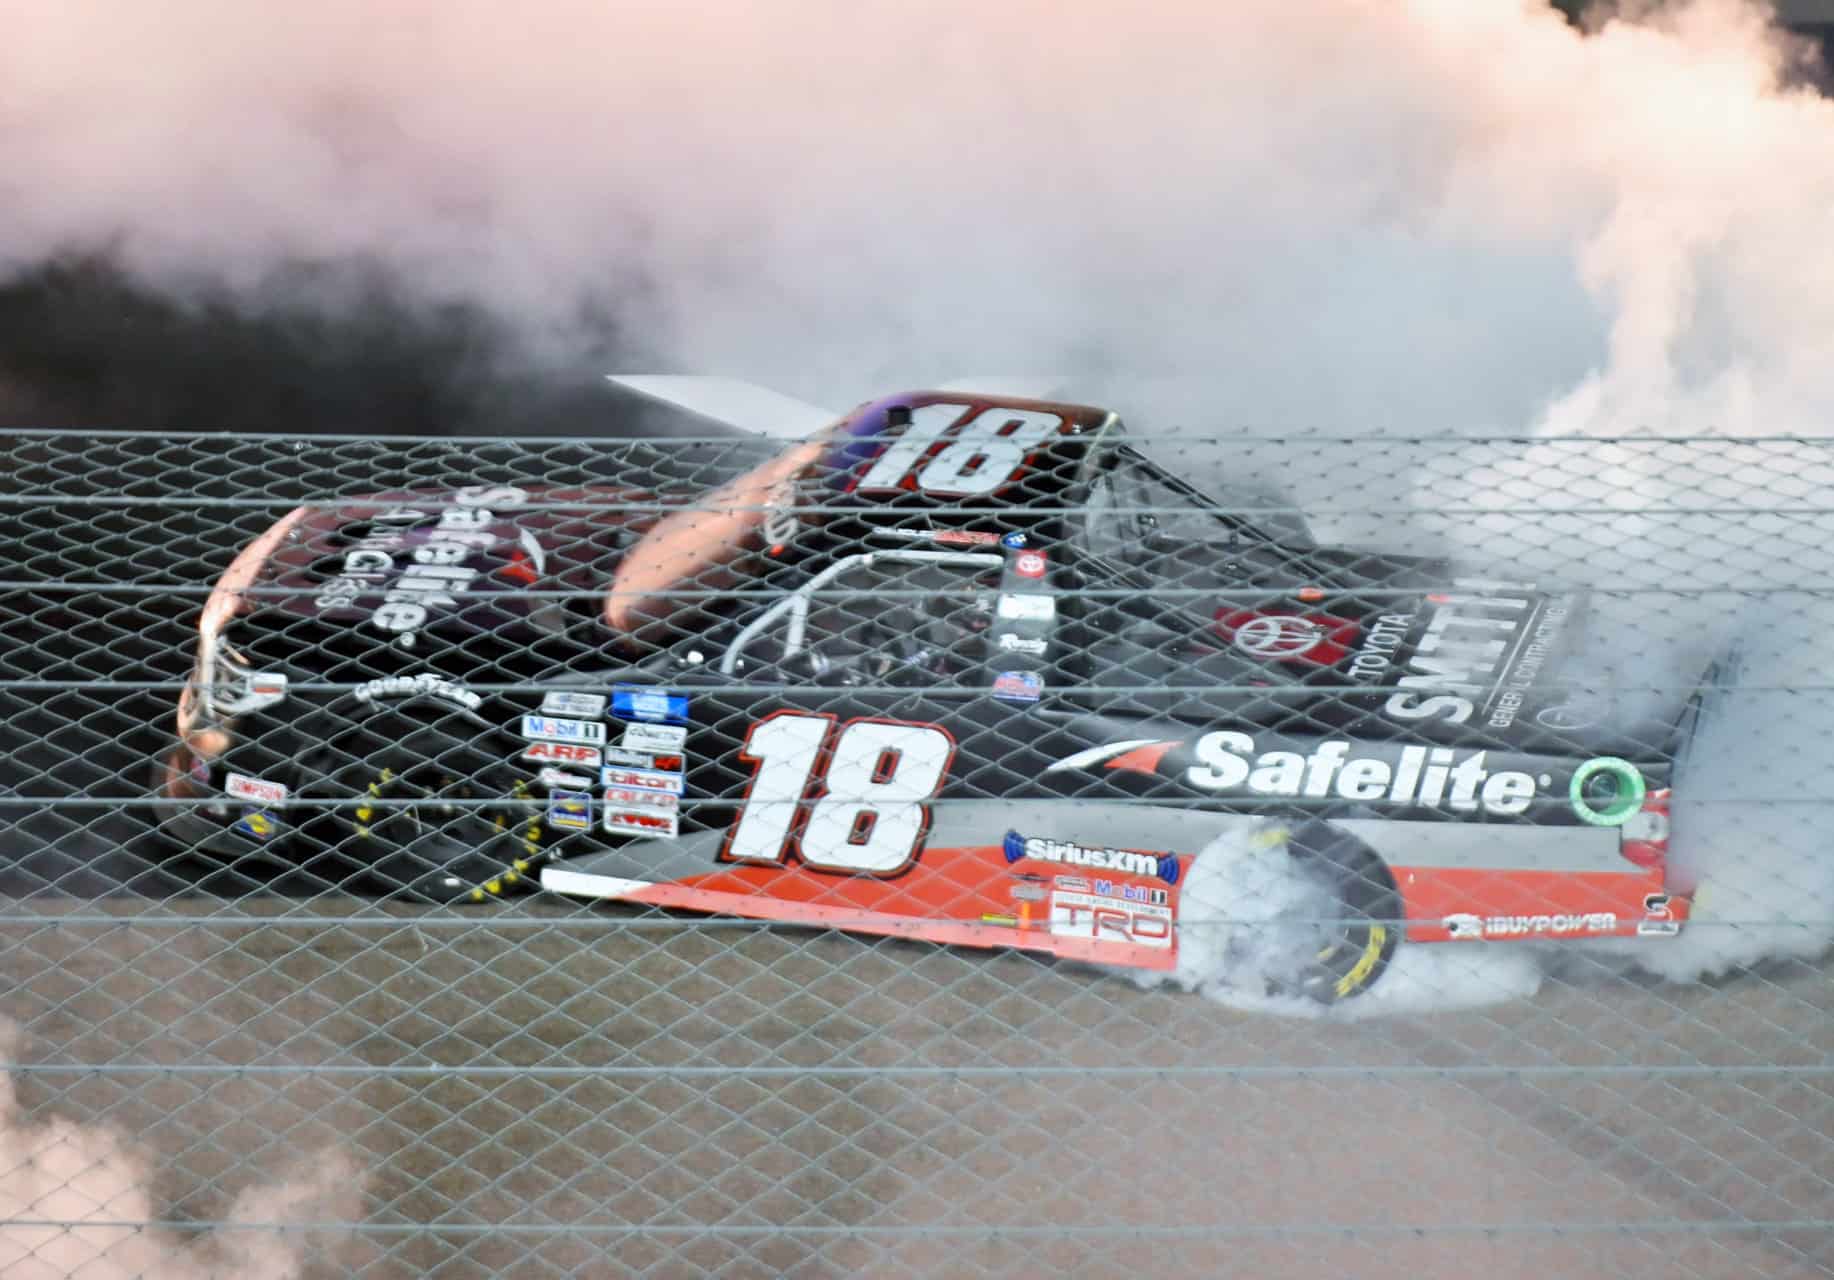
<point x="958" y="667"/>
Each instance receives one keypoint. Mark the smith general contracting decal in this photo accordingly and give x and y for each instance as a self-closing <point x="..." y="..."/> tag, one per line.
<point x="1476" y="651"/>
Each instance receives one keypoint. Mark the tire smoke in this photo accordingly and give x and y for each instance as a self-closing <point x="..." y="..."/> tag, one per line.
<point x="1338" y="217"/>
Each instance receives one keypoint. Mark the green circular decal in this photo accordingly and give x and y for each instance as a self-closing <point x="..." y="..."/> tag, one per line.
<point x="1630" y="791"/>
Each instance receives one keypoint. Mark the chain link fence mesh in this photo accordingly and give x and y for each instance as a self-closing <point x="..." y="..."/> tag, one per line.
<point x="335" y="1029"/>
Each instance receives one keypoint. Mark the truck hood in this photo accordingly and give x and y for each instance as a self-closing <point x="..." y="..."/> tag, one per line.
<point x="485" y="559"/>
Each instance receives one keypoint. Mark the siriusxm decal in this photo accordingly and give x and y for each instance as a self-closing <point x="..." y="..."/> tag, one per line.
<point x="653" y="706"/>
<point x="1068" y="852"/>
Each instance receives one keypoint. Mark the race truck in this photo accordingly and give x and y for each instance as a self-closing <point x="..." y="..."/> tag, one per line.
<point x="958" y="667"/>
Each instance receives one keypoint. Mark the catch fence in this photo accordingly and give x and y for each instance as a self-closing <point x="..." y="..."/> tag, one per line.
<point x="317" y="1019"/>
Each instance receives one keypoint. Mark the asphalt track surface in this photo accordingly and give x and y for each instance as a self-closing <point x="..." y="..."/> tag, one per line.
<point x="541" y="1088"/>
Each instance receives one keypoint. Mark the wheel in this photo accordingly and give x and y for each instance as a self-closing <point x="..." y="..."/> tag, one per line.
<point x="1297" y="909"/>
<point x="419" y="800"/>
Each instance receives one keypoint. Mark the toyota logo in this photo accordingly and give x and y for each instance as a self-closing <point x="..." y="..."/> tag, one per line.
<point x="1278" y="637"/>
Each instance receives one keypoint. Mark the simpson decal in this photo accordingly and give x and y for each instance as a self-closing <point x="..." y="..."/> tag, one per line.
<point x="260" y="790"/>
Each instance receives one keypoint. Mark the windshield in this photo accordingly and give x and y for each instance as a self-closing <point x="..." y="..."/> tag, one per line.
<point x="1138" y="514"/>
<point x="918" y="616"/>
<point x="698" y="548"/>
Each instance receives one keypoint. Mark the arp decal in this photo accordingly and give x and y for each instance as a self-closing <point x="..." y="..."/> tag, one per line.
<point x="561" y="753"/>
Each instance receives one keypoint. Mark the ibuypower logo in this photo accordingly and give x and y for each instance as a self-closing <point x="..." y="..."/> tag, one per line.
<point x="1464" y="927"/>
<point x="1131" y="862"/>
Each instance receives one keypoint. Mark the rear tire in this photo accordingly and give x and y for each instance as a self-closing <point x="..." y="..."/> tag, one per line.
<point x="1294" y="910"/>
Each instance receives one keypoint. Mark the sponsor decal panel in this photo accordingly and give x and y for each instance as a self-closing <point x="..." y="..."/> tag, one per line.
<point x="570" y="810"/>
<point x="1093" y="918"/>
<point x="1018" y="686"/>
<point x="641" y="780"/>
<point x="1026" y="608"/>
<point x="1133" y="862"/>
<point x="1480" y="649"/>
<point x="643" y="760"/>
<point x="551" y="777"/>
<point x="583" y="706"/>
<point x="1316" y="639"/>
<point x="553" y="729"/>
<point x="942" y="537"/>
<point x="572" y="753"/>
<point x="1133" y="892"/>
<point x="653" y="737"/>
<point x="256" y="825"/>
<point x="1278" y="636"/>
<point x="1432" y="777"/>
<point x="1032" y="648"/>
<point x="628" y="798"/>
<point x="1029" y="564"/>
<point x="1464" y="927"/>
<point x="653" y="706"/>
<point x="624" y="821"/>
<point x="1384" y="638"/>
<point x="242" y="787"/>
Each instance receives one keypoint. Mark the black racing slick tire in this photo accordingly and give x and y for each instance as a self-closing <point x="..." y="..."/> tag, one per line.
<point x="419" y="801"/>
<point x="1361" y="901"/>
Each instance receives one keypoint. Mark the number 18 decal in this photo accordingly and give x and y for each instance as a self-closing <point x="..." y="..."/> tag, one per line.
<point x="988" y="450"/>
<point x="859" y="795"/>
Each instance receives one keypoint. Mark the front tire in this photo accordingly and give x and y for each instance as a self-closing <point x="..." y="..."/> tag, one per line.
<point x="423" y="805"/>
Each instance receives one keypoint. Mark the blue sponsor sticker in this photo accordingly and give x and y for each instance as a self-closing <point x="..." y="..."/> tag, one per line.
<point x="1136" y="862"/>
<point x="1014" y="541"/>
<point x="1018" y="686"/>
<point x="571" y="810"/>
<point x="652" y="706"/>
<point x="256" y="825"/>
<point x="1013" y="846"/>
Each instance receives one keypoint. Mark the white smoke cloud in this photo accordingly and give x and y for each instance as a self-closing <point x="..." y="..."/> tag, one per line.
<point x="75" y="1198"/>
<point x="1336" y="216"/>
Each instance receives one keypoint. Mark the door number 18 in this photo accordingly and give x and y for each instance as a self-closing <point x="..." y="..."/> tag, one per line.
<point x="852" y="800"/>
